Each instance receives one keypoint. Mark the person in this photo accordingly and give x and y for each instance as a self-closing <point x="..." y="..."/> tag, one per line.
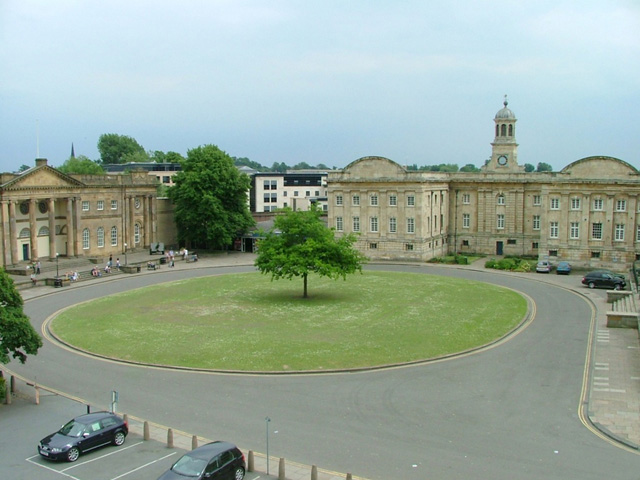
<point x="194" y="257"/>
<point x="185" y="255"/>
<point x="107" y="268"/>
<point x="118" y="263"/>
<point x="34" y="280"/>
<point x="74" y="277"/>
<point x="38" y="265"/>
<point x="110" y="259"/>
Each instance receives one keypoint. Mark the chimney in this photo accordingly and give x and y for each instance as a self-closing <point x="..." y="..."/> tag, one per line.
<point x="41" y="162"/>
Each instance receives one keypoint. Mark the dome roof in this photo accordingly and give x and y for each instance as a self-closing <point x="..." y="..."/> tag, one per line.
<point x="505" y="113"/>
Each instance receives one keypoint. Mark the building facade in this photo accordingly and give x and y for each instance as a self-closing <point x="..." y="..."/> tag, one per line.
<point x="45" y="213"/>
<point x="588" y="213"/>
<point x="296" y="190"/>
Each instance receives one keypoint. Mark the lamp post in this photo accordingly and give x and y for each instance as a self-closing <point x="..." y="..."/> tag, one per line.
<point x="125" y="253"/>
<point x="57" y="263"/>
<point x="267" y="420"/>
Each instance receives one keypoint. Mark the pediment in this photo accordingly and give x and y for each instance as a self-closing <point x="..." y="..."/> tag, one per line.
<point x="375" y="167"/>
<point x="42" y="177"/>
<point x="600" y="168"/>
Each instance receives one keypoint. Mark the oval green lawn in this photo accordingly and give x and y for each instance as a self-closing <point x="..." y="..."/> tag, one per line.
<point x="247" y="322"/>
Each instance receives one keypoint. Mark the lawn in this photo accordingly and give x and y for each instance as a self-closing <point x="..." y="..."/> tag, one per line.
<point x="248" y="322"/>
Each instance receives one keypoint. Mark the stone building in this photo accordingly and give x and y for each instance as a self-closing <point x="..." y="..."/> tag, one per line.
<point x="587" y="213"/>
<point x="294" y="189"/>
<point x="45" y="213"/>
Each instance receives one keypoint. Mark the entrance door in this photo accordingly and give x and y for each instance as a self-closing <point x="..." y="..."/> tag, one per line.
<point x="499" y="248"/>
<point x="25" y="251"/>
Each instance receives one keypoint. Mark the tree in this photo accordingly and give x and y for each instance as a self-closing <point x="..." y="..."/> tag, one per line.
<point x="469" y="167"/>
<point x="18" y="338"/>
<point x="300" y="243"/>
<point x="113" y="148"/>
<point x="158" y="156"/>
<point x="23" y="168"/>
<point x="544" y="167"/>
<point x="210" y="198"/>
<point x="81" y="165"/>
<point x="529" y="168"/>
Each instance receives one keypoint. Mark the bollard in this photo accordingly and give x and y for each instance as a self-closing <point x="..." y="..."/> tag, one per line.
<point x="314" y="472"/>
<point x="13" y="384"/>
<point x="281" y="469"/>
<point x="250" y="462"/>
<point x="170" y="438"/>
<point x="125" y="418"/>
<point x="7" y="396"/>
<point x="37" y="394"/>
<point x="146" y="435"/>
<point x="194" y="442"/>
<point x="348" y="476"/>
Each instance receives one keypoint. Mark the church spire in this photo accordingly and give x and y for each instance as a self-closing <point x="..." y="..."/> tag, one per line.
<point x="73" y="154"/>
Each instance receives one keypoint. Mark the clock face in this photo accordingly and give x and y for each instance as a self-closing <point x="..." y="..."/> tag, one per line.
<point x="502" y="159"/>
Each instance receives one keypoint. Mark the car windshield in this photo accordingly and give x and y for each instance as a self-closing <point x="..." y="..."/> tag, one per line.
<point x="72" y="429"/>
<point x="189" y="466"/>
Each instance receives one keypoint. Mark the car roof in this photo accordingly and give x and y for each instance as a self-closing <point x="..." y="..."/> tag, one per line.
<point x="212" y="449"/>
<point x="92" y="417"/>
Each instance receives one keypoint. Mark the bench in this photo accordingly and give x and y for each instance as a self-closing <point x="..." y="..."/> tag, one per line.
<point x="156" y="248"/>
<point x="153" y="266"/>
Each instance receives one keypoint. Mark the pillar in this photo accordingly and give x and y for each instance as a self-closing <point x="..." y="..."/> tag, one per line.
<point x="52" y="229"/>
<point x="33" y="229"/>
<point x="4" y="220"/>
<point x="70" y="243"/>
<point x="13" y="234"/>
<point x="132" y="223"/>
<point x="78" y="225"/>
<point x="146" y="210"/>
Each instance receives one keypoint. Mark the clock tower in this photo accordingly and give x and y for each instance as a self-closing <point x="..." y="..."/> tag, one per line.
<point x="504" y="153"/>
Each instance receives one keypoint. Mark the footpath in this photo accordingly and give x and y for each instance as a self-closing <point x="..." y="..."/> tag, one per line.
<point x="612" y="396"/>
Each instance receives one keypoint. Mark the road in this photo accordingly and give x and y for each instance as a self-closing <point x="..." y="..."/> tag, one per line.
<point x="511" y="411"/>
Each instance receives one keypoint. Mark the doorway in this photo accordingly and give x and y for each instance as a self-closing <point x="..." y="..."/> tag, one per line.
<point x="499" y="248"/>
<point x="25" y="251"/>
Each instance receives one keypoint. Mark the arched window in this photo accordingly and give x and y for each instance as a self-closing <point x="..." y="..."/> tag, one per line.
<point x="504" y="130"/>
<point x="100" y="235"/>
<point x="511" y="130"/>
<point x="25" y="233"/>
<point x="114" y="236"/>
<point x="43" y="232"/>
<point x="501" y="199"/>
<point x="136" y="234"/>
<point x="497" y="130"/>
<point x="85" y="239"/>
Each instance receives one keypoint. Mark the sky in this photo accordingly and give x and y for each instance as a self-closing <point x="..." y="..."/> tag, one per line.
<point x="327" y="81"/>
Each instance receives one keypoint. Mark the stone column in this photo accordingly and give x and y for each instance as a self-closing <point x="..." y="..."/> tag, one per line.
<point x="146" y="219"/>
<point x="6" y="235"/>
<point x="132" y="222"/>
<point x="33" y="229"/>
<point x="13" y="233"/>
<point x="70" y="228"/>
<point x="52" y="229"/>
<point x="78" y="224"/>
<point x="153" y="234"/>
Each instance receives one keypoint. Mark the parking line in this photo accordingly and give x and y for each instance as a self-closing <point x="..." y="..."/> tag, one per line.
<point x="49" y="468"/>
<point x="143" y="466"/>
<point x="102" y="456"/>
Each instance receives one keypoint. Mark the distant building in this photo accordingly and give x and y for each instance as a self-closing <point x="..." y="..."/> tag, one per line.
<point x="588" y="213"/>
<point x="162" y="172"/>
<point x="296" y="190"/>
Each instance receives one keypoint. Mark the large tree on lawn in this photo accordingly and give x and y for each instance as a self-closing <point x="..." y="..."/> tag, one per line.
<point x="300" y="243"/>
<point x="17" y="337"/>
<point x="210" y="197"/>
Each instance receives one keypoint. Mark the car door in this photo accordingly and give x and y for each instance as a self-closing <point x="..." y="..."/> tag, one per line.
<point x="211" y="471"/>
<point x="91" y="436"/>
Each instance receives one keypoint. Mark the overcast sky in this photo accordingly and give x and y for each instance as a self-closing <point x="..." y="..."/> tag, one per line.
<point x="321" y="81"/>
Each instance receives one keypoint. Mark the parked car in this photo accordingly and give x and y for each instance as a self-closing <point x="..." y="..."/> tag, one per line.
<point x="82" y="434"/>
<point x="604" y="279"/>
<point x="563" y="268"/>
<point x="213" y="461"/>
<point x="544" y="266"/>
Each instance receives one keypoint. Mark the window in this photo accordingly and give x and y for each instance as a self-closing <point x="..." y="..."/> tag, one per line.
<point x="408" y="247"/>
<point x="553" y="229"/>
<point x="295" y="194"/>
<point x="619" y="232"/>
<point x="638" y="233"/>
<point x="555" y="203"/>
<point x="355" y="200"/>
<point x="537" y="200"/>
<point x="534" y="245"/>
<point x="411" y="225"/>
<point x="574" y="230"/>
<point x="466" y="220"/>
<point x="114" y="204"/>
<point x="317" y="193"/>
<point x="136" y="234"/>
<point x="373" y="224"/>
<point x="356" y="224"/>
<point x="621" y="205"/>
<point x="85" y="206"/>
<point x="596" y="231"/>
<point x="338" y="198"/>
<point x="465" y="243"/>
<point x="393" y="225"/>
<point x="114" y="236"/>
<point x="100" y="205"/>
<point x="339" y="226"/>
<point x="595" y="254"/>
<point x="575" y="203"/>
<point x="373" y="246"/>
<point x="100" y="237"/>
<point x="393" y="200"/>
<point x="500" y="199"/>
<point x="597" y="204"/>
<point x="512" y="241"/>
<point x="284" y="194"/>
<point x="536" y="222"/>
<point x="267" y="197"/>
<point x="307" y="193"/>
<point x="373" y="200"/>
<point x="411" y="201"/>
<point x="500" y="223"/>
<point x="466" y="198"/>
<point x="85" y="238"/>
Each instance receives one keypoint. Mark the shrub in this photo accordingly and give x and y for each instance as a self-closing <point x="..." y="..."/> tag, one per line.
<point x="507" y="264"/>
<point x="3" y="389"/>
<point x="461" y="260"/>
<point x="491" y="263"/>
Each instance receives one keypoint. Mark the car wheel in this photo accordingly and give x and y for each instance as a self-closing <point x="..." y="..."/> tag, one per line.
<point x="118" y="439"/>
<point x="239" y="475"/>
<point x="592" y="285"/>
<point x="73" y="454"/>
<point x="617" y="287"/>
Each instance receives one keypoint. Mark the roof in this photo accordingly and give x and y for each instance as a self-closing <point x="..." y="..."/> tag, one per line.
<point x="210" y="450"/>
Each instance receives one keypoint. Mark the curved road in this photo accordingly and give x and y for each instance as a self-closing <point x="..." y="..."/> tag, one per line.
<point x="511" y="411"/>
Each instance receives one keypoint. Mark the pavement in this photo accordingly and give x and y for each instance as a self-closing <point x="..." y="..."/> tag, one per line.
<point x="611" y="400"/>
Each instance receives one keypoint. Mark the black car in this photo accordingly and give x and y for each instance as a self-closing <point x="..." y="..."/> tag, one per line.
<point x="604" y="278"/>
<point x="82" y="434"/>
<point x="213" y="461"/>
